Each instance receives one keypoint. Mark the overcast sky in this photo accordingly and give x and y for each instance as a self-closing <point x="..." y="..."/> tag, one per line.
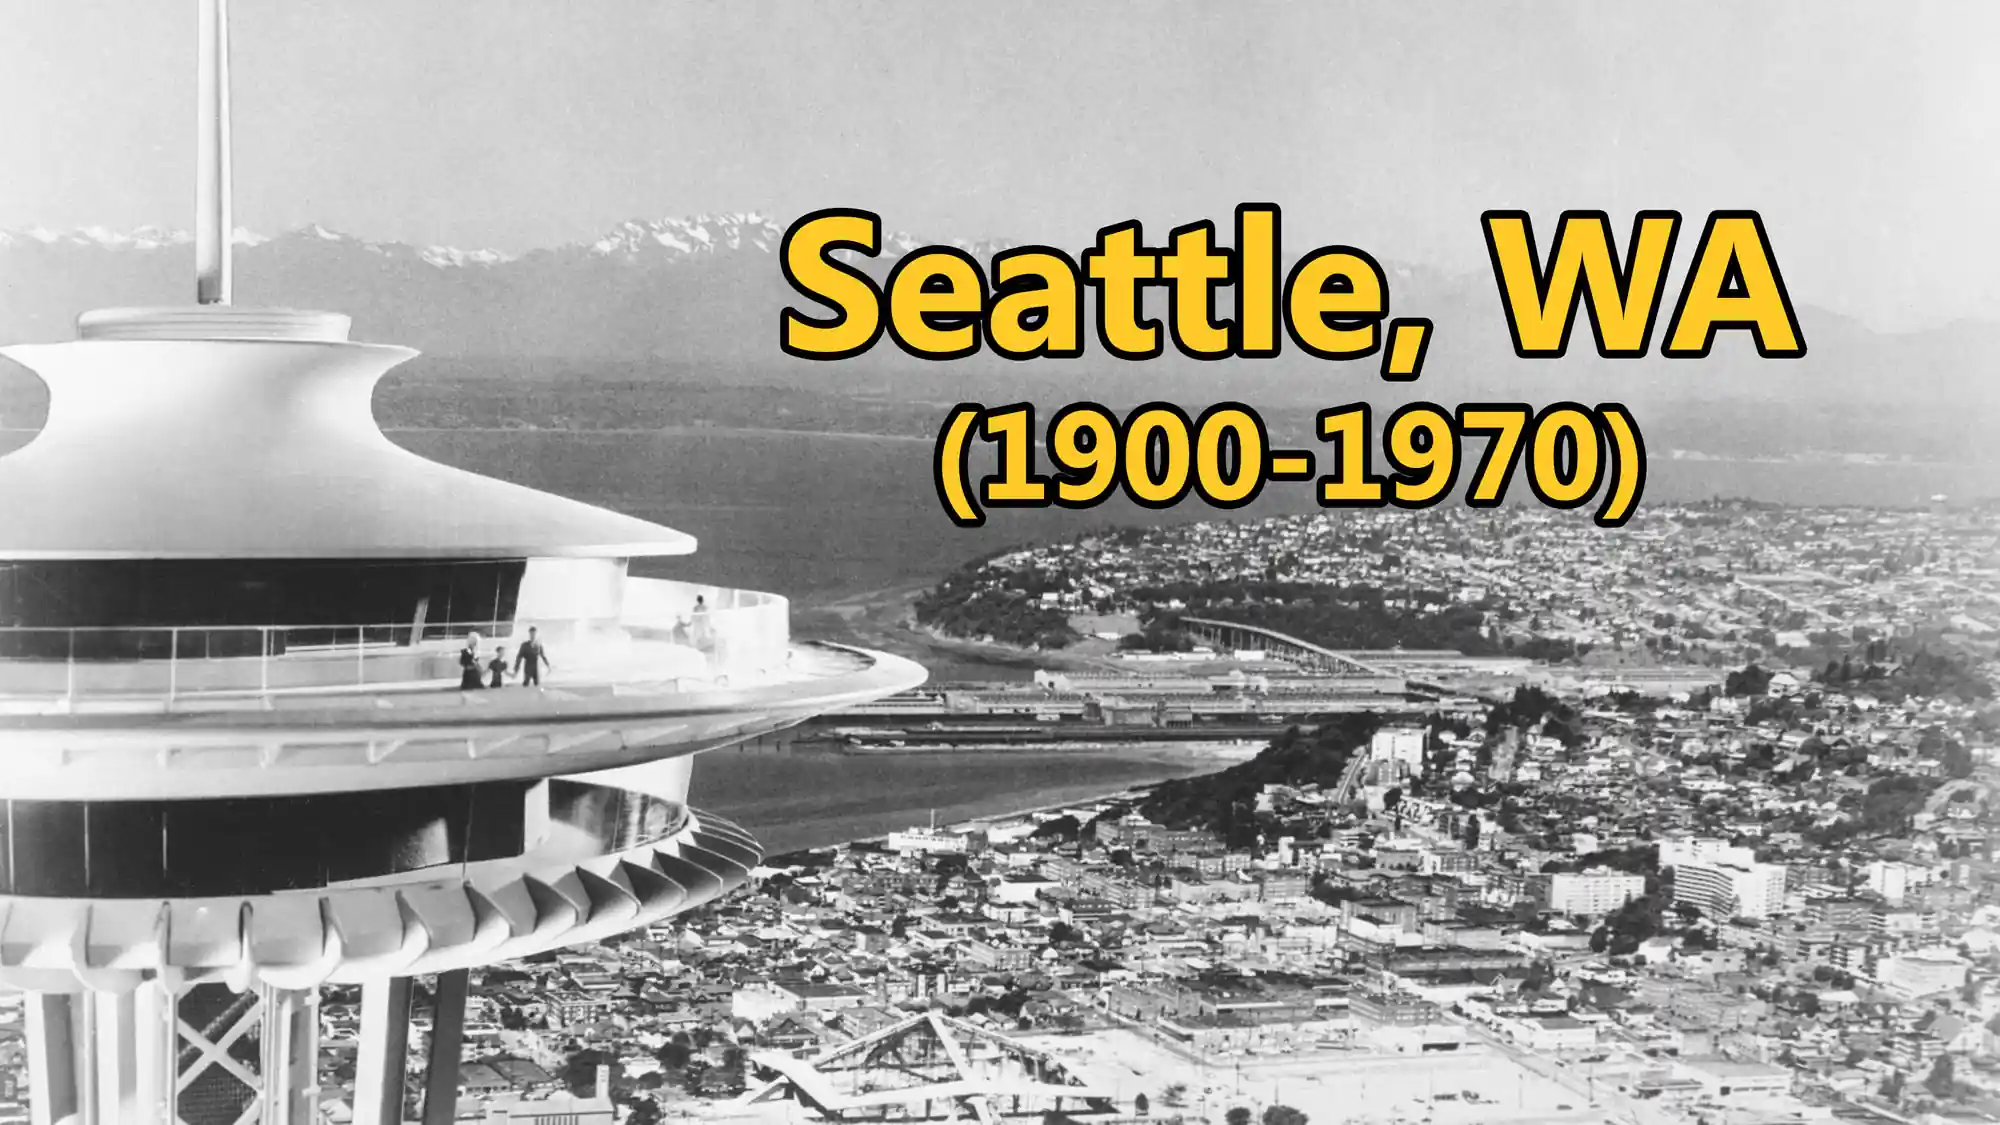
<point x="1866" y="134"/>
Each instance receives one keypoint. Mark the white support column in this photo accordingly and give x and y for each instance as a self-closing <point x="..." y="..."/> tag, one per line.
<point x="157" y="1033"/>
<point x="83" y="1041"/>
<point x="290" y="1061"/>
<point x="101" y="1057"/>
<point x="126" y="1058"/>
<point x="446" y="1043"/>
<point x="382" y="1065"/>
<point x="117" y="1054"/>
<point x="52" y="1058"/>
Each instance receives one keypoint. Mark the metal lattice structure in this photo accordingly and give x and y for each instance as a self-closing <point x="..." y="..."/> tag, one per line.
<point x="929" y="1067"/>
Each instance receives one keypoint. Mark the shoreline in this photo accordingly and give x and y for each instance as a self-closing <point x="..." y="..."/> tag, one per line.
<point x="1128" y="793"/>
<point x="630" y="431"/>
<point x="884" y="617"/>
<point x="1816" y="458"/>
<point x="1047" y="748"/>
<point x="801" y="801"/>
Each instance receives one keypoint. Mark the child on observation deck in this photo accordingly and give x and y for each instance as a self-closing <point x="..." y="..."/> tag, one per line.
<point x="498" y="666"/>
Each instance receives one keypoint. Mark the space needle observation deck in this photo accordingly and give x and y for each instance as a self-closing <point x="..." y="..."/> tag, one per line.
<point x="241" y="761"/>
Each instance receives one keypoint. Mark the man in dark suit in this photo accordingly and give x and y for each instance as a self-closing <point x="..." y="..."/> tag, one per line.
<point x="529" y="658"/>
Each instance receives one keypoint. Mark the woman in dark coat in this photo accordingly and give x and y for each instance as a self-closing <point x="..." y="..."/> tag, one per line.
<point x="469" y="678"/>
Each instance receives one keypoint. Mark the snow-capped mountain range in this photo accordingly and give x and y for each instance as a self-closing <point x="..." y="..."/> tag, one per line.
<point x="704" y="294"/>
<point x="704" y="288"/>
<point x="673" y="237"/>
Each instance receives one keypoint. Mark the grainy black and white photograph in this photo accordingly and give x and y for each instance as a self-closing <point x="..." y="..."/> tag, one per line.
<point x="622" y="562"/>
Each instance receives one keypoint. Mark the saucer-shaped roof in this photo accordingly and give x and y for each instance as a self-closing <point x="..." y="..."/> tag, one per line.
<point x="237" y="433"/>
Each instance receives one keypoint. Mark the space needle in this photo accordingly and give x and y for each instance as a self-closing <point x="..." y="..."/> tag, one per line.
<point x="238" y="764"/>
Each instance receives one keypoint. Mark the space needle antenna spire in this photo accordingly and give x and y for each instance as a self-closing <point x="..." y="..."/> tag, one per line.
<point x="212" y="225"/>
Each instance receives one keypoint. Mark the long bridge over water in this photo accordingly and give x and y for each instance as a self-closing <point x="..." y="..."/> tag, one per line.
<point x="1281" y="645"/>
<point x="1284" y="646"/>
<point x="1304" y="653"/>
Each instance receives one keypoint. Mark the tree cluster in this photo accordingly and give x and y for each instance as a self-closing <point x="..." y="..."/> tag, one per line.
<point x="1224" y="802"/>
<point x="969" y="603"/>
<point x="1340" y="617"/>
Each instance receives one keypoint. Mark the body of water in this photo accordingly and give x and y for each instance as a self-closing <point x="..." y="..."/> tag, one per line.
<point x="816" y="515"/>
<point x="792" y="799"/>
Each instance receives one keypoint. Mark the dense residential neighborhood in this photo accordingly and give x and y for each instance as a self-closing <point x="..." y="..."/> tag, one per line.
<point x="1718" y="584"/>
<point x="1735" y="864"/>
<point x="1729" y="907"/>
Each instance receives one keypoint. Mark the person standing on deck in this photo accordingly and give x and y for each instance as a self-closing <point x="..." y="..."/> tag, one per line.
<point x="698" y="628"/>
<point x="529" y="658"/>
<point x="468" y="664"/>
<point x="497" y="667"/>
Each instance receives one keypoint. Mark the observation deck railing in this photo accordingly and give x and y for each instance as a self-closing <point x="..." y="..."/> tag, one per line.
<point x="661" y="638"/>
